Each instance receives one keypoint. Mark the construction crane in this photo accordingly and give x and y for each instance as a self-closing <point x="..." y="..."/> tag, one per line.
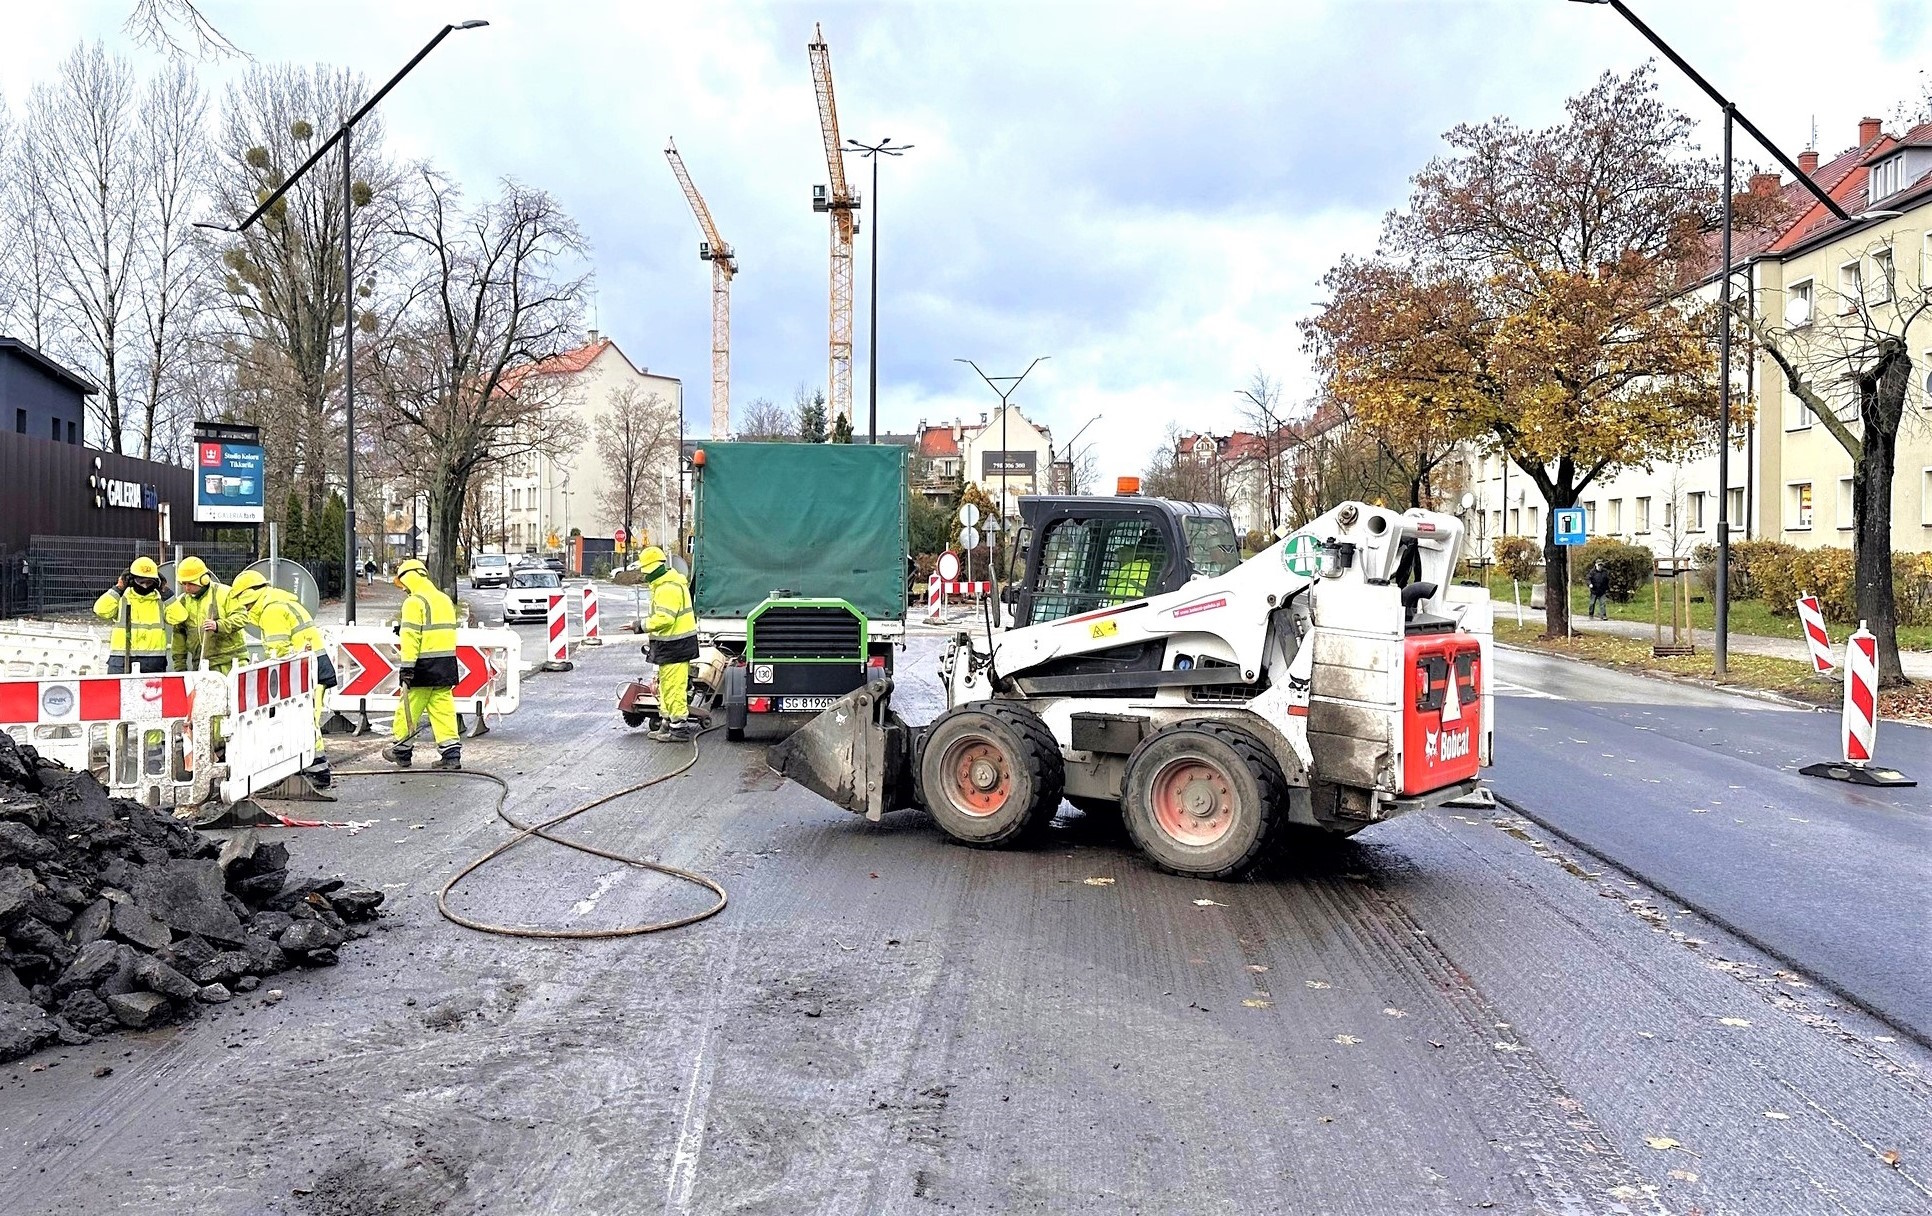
<point x="724" y="264"/>
<point x="838" y="199"/>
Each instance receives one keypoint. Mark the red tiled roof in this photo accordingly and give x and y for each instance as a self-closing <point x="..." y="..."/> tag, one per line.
<point x="1799" y="203"/>
<point x="568" y="363"/>
<point x="937" y="441"/>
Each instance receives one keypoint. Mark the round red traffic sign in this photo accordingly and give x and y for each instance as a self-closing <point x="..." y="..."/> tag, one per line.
<point x="949" y="566"/>
<point x="620" y="536"/>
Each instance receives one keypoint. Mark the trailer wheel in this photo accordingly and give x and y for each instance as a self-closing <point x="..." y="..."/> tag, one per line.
<point x="991" y="774"/>
<point x="1203" y="801"/>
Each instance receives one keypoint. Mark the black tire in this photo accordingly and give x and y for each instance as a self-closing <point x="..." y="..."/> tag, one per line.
<point x="999" y="742"/>
<point x="736" y="702"/>
<point x="1203" y="801"/>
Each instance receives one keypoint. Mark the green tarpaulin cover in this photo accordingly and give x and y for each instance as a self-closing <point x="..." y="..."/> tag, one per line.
<point x="817" y="519"/>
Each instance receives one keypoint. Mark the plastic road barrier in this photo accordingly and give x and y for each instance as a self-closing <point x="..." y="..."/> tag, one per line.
<point x="1813" y="619"/>
<point x="138" y="733"/>
<point x="1859" y="728"/>
<point x="367" y="658"/>
<point x="935" y="601"/>
<point x="32" y="650"/>
<point x="591" y="637"/>
<point x="270" y="729"/>
<point x="557" y="658"/>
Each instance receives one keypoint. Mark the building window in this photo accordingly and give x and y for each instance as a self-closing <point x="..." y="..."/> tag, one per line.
<point x="1887" y="177"/>
<point x="1844" y="504"/>
<point x="1797" y="304"/>
<point x="1694" y="512"/>
<point x="20" y="422"/>
<point x="1613" y="517"/>
<point x="1797" y="415"/>
<point x="1516" y="521"/>
<point x="1496" y="528"/>
<point x="70" y="433"/>
<point x="1590" y="517"/>
<point x="1641" y="516"/>
<point x="1735" y="511"/>
<point x="53" y="429"/>
<point x="1534" y="529"/>
<point x="1851" y="288"/>
<point x="1925" y="497"/>
<point x="1797" y="503"/>
<point x="1884" y="276"/>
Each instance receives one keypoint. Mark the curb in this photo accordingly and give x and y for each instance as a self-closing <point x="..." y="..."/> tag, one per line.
<point x="1665" y="677"/>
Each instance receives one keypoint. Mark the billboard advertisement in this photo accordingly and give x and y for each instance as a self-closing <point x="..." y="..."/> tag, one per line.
<point x="228" y="475"/>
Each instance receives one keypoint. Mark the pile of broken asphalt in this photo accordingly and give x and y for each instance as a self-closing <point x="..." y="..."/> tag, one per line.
<point x="115" y="915"/>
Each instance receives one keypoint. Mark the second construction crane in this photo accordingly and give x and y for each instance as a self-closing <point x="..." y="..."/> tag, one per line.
<point x="838" y="199"/>
<point x="724" y="264"/>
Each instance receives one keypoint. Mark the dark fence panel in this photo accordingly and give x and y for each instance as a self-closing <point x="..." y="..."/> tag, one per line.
<point x="59" y="573"/>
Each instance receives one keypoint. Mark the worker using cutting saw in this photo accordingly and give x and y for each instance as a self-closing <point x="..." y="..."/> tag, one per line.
<point x="673" y="626"/>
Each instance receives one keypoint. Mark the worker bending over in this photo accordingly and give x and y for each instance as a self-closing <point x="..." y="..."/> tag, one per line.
<point x="428" y="668"/>
<point x="288" y="629"/>
<point x="134" y="604"/>
<point x="205" y="621"/>
<point x="673" y="626"/>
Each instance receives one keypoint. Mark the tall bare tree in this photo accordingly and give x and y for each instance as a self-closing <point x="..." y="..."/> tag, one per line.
<point x="767" y="421"/>
<point x="81" y="130"/>
<point x="284" y="275"/>
<point x="637" y="440"/>
<point x="1850" y="362"/>
<point x="458" y="365"/>
<point x="26" y="258"/>
<point x="177" y="28"/>
<point x="173" y="149"/>
<point x="1263" y="416"/>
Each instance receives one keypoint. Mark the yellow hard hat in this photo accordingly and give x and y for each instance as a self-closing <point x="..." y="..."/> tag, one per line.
<point x="144" y="567"/>
<point x="191" y="570"/>
<point x="651" y="558"/>
<point x="412" y="566"/>
<point x="247" y="587"/>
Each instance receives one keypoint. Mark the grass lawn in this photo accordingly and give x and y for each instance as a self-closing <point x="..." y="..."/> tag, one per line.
<point x="1747" y="616"/>
<point x="1786" y="677"/>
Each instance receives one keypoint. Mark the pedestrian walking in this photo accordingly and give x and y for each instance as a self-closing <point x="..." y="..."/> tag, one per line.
<point x="673" y="626"/>
<point x="1598" y="580"/>
<point x="287" y="628"/>
<point x="135" y="604"/>
<point x="428" y="668"/>
<point x="205" y="623"/>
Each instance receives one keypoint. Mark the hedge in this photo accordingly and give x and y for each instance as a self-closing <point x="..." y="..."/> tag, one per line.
<point x="1629" y="566"/>
<point x="1778" y="574"/>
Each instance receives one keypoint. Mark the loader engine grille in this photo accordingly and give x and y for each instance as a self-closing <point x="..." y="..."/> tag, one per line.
<point x="808" y="632"/>
<point x="1224" y="694"/>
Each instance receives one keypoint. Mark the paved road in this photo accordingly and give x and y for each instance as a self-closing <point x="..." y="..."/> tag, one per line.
<point x="1917" y="664"/>
<point x="1448" y="1015"/>
<point x="1699" y="794"/>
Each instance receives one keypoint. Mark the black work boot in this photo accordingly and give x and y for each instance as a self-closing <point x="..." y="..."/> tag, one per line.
<point x="452" y="760"/>
<point x="397" y="754"/>
<point x="319" y="775"/>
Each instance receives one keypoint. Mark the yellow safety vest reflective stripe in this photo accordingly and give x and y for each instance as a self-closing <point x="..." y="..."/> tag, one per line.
<point x="144" y="631"/>
<point x="672" y="614"/>
<point x="286" y="626"/>
<point x="226" y="646"/>
<point x="428" y="635"/>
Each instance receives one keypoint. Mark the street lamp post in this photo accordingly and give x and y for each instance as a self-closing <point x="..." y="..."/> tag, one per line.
<point x="873" y="152"/>
<point x="348" y="287"/>
<point x="1076" y="435"/>
<point x="1722" y="644"/>
<point x="1004" y="394"/>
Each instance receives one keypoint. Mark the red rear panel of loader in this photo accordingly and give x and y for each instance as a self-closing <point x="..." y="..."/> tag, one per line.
<point x="1442" y="710"/>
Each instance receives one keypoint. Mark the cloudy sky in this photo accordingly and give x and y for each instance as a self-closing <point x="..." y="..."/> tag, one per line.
<point x="1147" y="193"/>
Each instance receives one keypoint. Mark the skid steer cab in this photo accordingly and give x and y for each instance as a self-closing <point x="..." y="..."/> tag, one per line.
<point x="1334" y="680"/>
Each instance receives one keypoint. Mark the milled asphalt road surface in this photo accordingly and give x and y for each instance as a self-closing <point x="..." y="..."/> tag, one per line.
<point x="1448" y="1015"/>
<point x="1704" y="800"/>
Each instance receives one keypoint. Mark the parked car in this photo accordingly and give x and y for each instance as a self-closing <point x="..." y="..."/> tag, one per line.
<point x="555" y="564"/>
<point x="489" y="570"/>
<point x="528" y="598"/>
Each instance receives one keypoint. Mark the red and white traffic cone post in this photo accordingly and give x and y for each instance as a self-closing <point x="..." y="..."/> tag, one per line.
<point x="1860" y="726"/>
<point x="935" y="602"/>
<point x="558" y="657"/>
<point x="1812" y="618"/>
<point x="591" y="637"/>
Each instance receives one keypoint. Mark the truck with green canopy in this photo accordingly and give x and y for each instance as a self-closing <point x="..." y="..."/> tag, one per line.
<point x="799" y="561"/>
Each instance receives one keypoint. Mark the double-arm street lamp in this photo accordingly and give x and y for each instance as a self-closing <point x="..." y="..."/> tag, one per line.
<point x="1721" y="648"/>
<point x="348" y="288"/>
<point x="994" y="382"/>
<point x="873" y="152"/>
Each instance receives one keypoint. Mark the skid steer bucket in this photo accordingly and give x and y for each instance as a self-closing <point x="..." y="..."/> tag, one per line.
<point x="856" y="753"/>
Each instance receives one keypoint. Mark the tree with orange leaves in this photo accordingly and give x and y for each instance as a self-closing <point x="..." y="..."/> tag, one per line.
<point x="1535" y="298"/>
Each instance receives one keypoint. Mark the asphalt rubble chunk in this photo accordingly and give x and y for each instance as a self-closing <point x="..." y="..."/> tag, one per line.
<point x="117" y="915"/>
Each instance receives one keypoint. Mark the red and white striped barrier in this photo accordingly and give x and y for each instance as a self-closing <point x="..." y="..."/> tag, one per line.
<point x="274" y="681"/>
<point x="489" y="673"/>
<point x="1859" y="728"/>
<point x="935" y="599"/>
<point x="1812" y="619"/>
<point x="591" y="637"/>
<point x="557" y="658"/>
<point x="270" y="731"/>
<point x="960" y="587"/>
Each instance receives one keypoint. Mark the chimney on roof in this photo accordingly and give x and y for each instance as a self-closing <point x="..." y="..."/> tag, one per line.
<point x="982" y="417"/>
<point x="1868" y="130"/>
<point x="594" y="336"/>
<point x="1808" y="161"/>
<point x="1765" y="183"/>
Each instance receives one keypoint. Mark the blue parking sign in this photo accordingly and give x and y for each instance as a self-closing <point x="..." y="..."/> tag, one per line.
<point x="1568" y="522"/>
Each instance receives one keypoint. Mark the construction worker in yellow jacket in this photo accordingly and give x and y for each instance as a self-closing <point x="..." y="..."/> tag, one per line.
<point x="673" y="626"/>
<point x="287" y="628"/>
<point x="135" y="606"/>
<point x="428" y="667"/>
<point x="204" y="621"/>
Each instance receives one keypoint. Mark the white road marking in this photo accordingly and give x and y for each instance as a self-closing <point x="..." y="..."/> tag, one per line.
<point x="697" y="1098"/>
<point x="602" y="888"/>
<point x="1509" y="688"/>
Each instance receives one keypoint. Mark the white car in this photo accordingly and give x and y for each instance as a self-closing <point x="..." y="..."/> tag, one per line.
<point x="528" y="598"/>
<point x="489" y="570"/>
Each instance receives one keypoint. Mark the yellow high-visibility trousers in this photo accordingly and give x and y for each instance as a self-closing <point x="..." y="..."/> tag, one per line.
<point x="674" y="690"/>
<point x="438" y="703"/>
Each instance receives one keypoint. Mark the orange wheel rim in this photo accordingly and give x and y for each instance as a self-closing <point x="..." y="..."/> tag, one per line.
<point x="1193" y="801"/>
<point x="979" y="776"/>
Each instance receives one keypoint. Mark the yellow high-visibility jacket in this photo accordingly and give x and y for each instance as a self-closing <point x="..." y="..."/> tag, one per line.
<point x="672" y="614"/>
<point x="223" y="649"/>
<point x="286" y="625"/>
<point x="428" y="635"/>
<point x="144" y="632"/>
